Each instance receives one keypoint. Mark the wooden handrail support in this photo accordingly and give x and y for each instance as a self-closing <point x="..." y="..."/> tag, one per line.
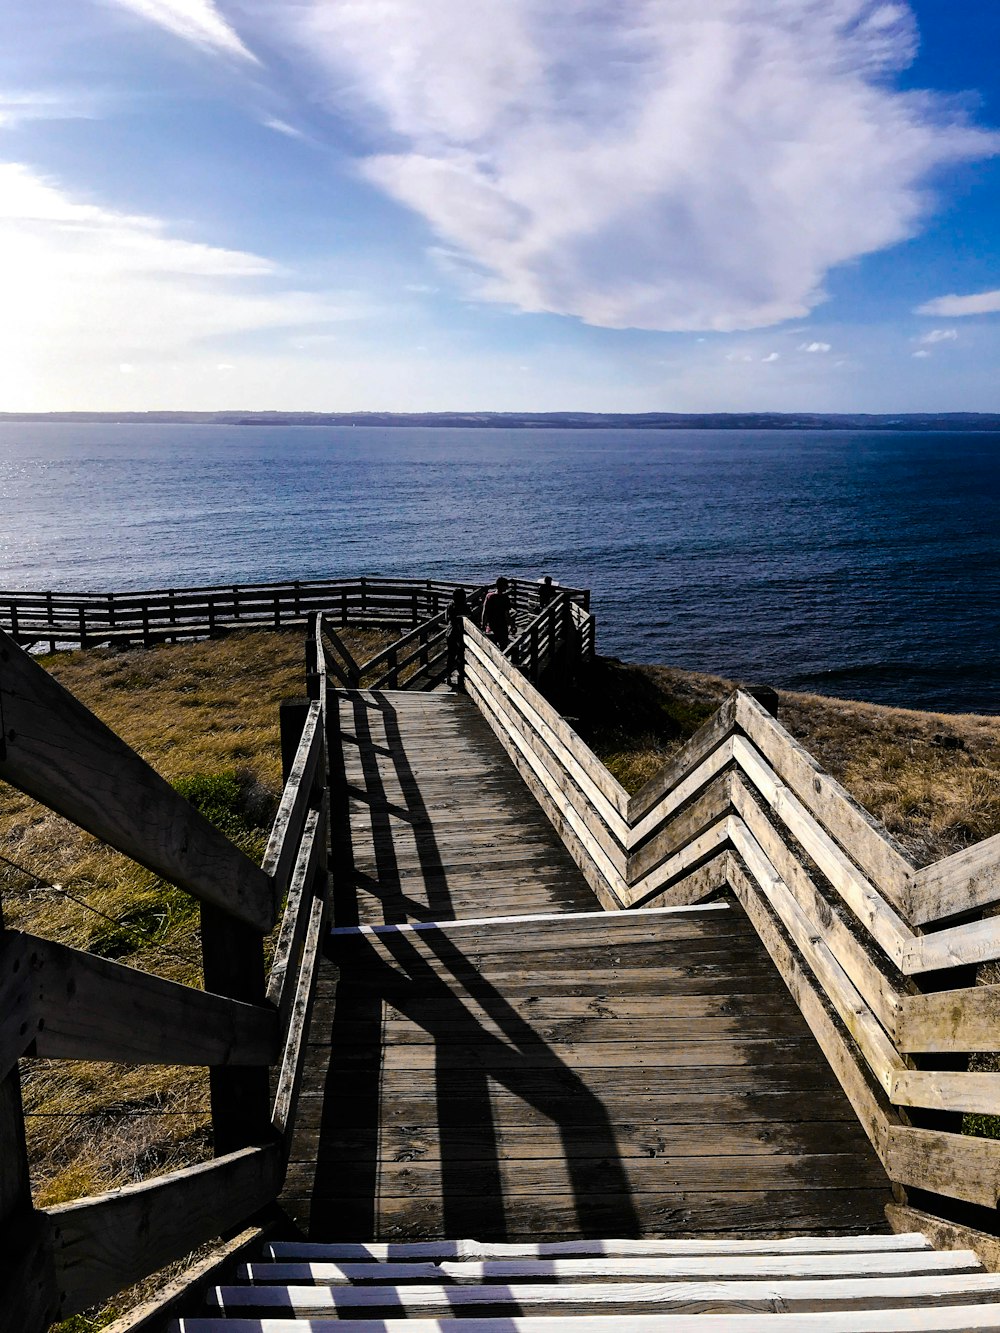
<point x="58" y="1002"/>
<point x="852" y="925"/>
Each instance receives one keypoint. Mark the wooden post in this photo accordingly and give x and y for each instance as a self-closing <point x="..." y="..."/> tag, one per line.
<point x="394" y="669"/>
<point x="211" y="615"/>
<point x="533" y="643"/>
<point x="146" y="640"/>
<point x="236" y="601"/>
<point x="48" y="612"/>
<point x="765" y="696"/>
<point x="292" y="718"/>
<point x="296" y="586"/>
<point x="364" y="597"/>
<point x="13" y="619"/>
<point x="277" y="610"/>
<point x="82" y="616"/>
<point x="172" y="609"/>
<point x="27" y="1287"/>
<point x="424" y="654"/>
<point x="233" y="961"/>
<point x="111" y="610"/>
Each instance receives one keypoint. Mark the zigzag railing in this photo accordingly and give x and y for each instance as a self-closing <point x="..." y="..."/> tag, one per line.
<point x="878" y="954"/>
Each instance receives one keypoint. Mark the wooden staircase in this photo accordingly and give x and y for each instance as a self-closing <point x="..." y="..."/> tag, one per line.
<point x="643" y="1286"/>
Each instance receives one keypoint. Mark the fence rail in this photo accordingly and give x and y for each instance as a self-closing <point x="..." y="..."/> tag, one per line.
<point x="879" y="955"/>
<point x="59" y="619"/>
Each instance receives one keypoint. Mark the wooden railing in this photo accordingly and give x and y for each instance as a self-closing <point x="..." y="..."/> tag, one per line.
<point x="879" y="955"/>
<point x="58" y="1002"/>
<point x="561" y="630"/>
<point x="59" y="619"/>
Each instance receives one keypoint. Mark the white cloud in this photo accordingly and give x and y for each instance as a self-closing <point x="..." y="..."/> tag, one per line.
<point x="921" y="353"/>
<point x="196" y="21"/>
<point x="978" y="303"/>
<point x="661" y="164"/>
<point x="938" y="336"/>
<point x="771" y="356"/>
<point x="86" y="287"/>
<point x="815" y="347"/>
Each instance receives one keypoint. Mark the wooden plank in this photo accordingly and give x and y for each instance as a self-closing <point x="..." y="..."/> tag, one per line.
<point x="696" y="816"/>
<point x="871" y="1106"/>
<point x="861" y="836"/>
<point x="875" y="1046"/>
<point x="951" y="1020"/>
<point x="946" y="1235"/>
<point x="690" y="888"/>
<point x="294" y="924"/>
<point x="290" y="1074"/>
<point x="880" y="991"/>
<point x="960" y="1318"/>
<point x="569" y="752"/>
<point x="90" y="1008"/>
<point x="849" y="1263"/>
<point x="790" y="1296"/>
<point x="106" y="1243"/>
<point x="706" y="846"/>
<point x="959" y="883"/>
<point x="609" y="786"/>
<point x="538" y="922"/>
<point x="607" y="883"/>
<point x="691" y="755"/>
<point x="550" y="774"/>
<point x="956" y="1165"/>
<point x="289" y="822"/>
<point x="62" y="755"/>
<point x="882" y="922"/>
<point x="186" y="1292"/>
<point x="958" y="946"/>
<point x="553" y="1217"/>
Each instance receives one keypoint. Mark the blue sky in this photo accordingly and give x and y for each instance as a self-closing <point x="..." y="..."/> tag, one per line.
<point x="676" y="205"/>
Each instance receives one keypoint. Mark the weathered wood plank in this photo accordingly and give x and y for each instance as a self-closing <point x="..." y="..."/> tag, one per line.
<point x="966" y="880"/>
<point x="867" y="842"/>
<point x="945" y="1235"/>
<point x="290" y="1073"/>
<point x="61" y="754"/>
<point x="690" y="756"/>
<point x="105" y="1243"/>
<point x="294" y="924"/>
<point x="91" y="1008"/>
<point x="951" y="1020"/>
<point x="289" y="822"/>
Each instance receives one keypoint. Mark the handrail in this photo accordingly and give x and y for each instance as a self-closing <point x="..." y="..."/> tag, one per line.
<point x="174" y="614"/>
<point x="743" y="805"/>
<point x="57" y="1002"/>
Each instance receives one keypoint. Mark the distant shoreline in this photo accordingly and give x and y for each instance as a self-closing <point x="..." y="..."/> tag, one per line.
<point x="907" y="421"/>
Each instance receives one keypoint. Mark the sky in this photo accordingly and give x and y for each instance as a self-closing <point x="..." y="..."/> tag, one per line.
<point x="523" y="205"/>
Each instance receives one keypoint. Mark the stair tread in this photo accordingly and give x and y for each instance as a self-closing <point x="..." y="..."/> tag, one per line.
<point x="384" y="1251"/>
<point x="848" y="1264"/>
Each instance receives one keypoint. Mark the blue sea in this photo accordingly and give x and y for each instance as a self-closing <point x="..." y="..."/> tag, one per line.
<point x="852" y="563"/>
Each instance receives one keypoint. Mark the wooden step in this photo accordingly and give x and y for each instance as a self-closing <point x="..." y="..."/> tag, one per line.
<point x="570" y="1298"/>
<point x="949" y="1319"/>
<point x="381" y="1252"/>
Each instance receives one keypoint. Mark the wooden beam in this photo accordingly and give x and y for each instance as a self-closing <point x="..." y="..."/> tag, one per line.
<point x="286" y="832"/>
<point x="88" y="1008"/>
<point x="967" y="880"/>
<point x="866" y="841"/>
<point x="105" y="1243"/>
<point x="945" y="1235"/>
<point x="62" y="755"/>
<point x="694" y="750"/>
<point x="950" y="1020"/>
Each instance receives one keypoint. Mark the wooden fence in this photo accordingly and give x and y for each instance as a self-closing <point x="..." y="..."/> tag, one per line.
<point x="61" y="1003"/>
<point x="162" y="615"/>
<point x="880" y="956"/>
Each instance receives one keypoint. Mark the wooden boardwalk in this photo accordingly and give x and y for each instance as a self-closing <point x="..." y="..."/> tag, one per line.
<point x="578" y="1074"/>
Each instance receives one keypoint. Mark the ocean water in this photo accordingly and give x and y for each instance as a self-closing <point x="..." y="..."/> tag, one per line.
<point x="861" y="564"/>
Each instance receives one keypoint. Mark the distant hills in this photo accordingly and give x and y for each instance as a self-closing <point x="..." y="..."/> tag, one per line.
<point x="949" y="421"/>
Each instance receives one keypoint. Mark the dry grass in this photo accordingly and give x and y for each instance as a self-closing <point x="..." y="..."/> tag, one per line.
<point x="932" y="779"/>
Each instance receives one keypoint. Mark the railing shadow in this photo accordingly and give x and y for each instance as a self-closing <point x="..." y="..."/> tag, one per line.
<point x="438" y="987"/>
